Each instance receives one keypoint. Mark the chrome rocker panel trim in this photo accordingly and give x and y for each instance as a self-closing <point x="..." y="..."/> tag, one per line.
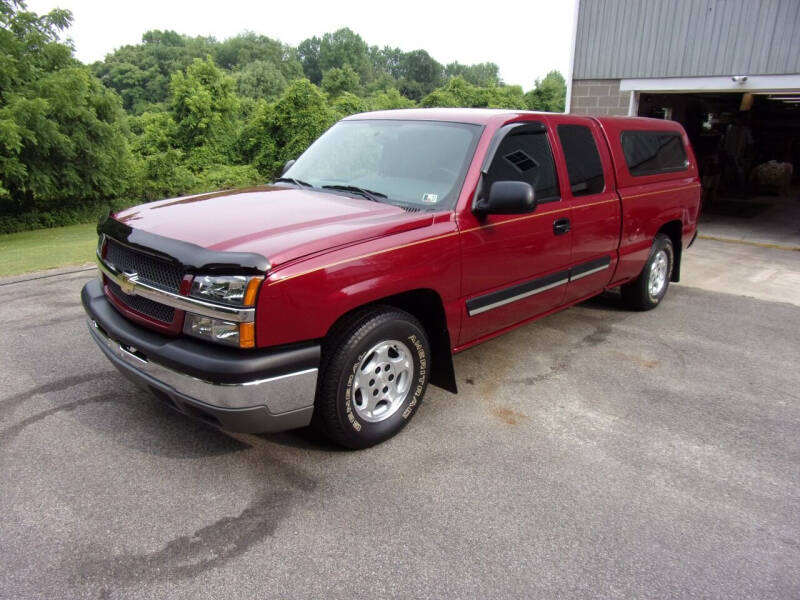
<point x="499" y="303"/>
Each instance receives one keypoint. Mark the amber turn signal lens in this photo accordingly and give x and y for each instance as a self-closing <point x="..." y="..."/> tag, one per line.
<point x="247" y="335"/>
<point x="252" y="290"/>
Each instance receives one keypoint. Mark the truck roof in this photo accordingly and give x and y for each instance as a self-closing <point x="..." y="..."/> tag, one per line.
<point x="478" y="116"/>
<point x="485" y="116"/>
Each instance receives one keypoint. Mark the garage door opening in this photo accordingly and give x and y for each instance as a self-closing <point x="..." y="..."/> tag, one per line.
<point x="748" y="152"/>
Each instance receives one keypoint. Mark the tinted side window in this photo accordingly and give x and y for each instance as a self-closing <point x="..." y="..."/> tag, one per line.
<point x="583" y="160"/>
<point x="526" y="157"/>
<point x="652" y="152"/>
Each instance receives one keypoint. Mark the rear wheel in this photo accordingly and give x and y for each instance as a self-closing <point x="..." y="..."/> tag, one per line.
<point x="646" y="291"/>
<point x="374" y="375"/>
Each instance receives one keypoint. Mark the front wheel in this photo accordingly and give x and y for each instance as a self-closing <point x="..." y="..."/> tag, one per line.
<point x="646" y="291"/>
<point x="373" y="377"/>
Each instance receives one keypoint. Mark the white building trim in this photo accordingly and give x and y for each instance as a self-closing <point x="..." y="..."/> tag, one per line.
<point x="568" y="101"/>
<point x="734" y="83"/>
<point x="633" y="104"/>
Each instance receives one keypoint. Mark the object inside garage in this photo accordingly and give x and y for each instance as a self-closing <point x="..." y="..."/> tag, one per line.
<point x="748" y="150"/>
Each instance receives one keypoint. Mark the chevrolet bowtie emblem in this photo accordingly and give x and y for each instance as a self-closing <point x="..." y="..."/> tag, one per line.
<point x="127" y="281"/>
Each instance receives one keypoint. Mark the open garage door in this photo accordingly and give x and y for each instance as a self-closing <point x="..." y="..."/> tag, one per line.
<point x="748" y="149"/>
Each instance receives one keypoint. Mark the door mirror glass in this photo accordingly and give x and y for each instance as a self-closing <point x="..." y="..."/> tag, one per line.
<point x="507" y="198"/>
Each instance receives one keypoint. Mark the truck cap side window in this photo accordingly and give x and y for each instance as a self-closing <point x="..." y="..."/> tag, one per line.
<point x="583" y="160"/>
<point x="653" y="152"/>
<point x="526" y="156"/>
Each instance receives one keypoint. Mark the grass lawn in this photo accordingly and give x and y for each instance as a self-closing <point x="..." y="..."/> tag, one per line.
<point x="47" y="248"/>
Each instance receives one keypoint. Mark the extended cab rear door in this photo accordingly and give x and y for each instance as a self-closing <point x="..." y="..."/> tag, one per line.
<point x="595" y="208"/>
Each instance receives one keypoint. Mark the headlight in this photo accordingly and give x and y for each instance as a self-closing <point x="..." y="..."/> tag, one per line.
<point x="240" y="335"/>
<point x="233" y="290"/>
<point x="238" y="290"/>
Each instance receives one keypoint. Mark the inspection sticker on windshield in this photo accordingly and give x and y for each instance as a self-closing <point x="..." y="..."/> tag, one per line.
<point x="430" y="198"/>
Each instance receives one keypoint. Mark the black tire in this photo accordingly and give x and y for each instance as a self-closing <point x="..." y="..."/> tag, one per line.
<point x="341" y="406"/>
<point x="639" y="294"/>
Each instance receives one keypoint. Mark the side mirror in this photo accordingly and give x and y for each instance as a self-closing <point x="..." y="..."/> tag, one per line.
<point x="507" y="198"/>
<point x="287" y="166"/>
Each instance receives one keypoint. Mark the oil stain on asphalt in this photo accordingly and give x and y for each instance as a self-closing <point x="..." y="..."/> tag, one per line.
<point x="213" y="545"/>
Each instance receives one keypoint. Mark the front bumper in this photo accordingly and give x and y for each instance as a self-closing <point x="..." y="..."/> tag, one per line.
<point x="236" y="390"/>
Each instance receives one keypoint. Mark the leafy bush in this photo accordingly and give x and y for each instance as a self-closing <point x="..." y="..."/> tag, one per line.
<point x="58" y="217"/>
<point x="458" y="92"/>
<point x="388" y="100"/>
<point x="349" y="104"/>
<point x="225" y="177"/>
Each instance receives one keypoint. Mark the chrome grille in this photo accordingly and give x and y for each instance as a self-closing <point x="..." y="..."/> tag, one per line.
<point x="155" y="271"/>
<point x="145" y="306"/>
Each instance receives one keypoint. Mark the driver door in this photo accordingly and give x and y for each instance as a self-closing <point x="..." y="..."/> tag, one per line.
<point x="516" y="267"/>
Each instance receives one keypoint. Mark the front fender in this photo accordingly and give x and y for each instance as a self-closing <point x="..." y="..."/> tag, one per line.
<point x="302" y="301"/>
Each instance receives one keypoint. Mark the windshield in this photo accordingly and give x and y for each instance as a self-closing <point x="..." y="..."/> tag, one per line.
<point x="416" y="163"/>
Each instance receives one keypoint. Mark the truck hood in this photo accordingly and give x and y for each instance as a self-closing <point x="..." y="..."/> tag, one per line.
<point x="282" y="224"/>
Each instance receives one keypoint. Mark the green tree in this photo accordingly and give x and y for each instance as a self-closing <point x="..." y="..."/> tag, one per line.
<point x="142" y="73"/>
<point x="456" y="93"/>
<point x="61" y="143"/>
<point x="204" y="106"/>
<point x="29" y="44"/>
<point x="419" y="74"/>
<point x="159" y="168"/>
<point x="337" y="81"/>
<point x="505" y="96"/>
<point x="246" y="48"/>
<point x="386" y="61"/>
<point x="260" y="79"/>
<point x="308" y="53"/>
<point x="281" y="131"/>
<point x="481" y="74"/>
<point x="345" y="47"/>
<point x="549" y="94"/>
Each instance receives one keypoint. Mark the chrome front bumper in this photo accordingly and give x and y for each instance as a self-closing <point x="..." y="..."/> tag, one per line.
<point x="279" y="401"/>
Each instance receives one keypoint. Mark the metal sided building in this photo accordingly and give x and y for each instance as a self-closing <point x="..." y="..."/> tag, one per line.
<point x="728" y="70"/>
<point x="625" y="48"/>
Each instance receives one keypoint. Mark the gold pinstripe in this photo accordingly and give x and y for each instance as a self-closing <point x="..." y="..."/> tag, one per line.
<point x="685" y="187"/>
<point x="452" y="233"/>
<point x="352" y="258"/>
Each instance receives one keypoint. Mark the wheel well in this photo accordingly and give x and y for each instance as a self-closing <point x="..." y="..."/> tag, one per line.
<point x="425" y="305"/>
<point x="673" y="230"/>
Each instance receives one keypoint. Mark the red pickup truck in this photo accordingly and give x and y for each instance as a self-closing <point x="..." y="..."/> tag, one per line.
<point x="334" y="295"/>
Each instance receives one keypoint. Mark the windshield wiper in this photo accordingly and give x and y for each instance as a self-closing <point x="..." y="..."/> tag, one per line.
<point x="297" y="182"/>
<point x="368" y="194"/>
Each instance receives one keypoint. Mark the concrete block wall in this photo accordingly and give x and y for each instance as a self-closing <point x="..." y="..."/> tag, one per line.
<point x="598" y="97"/>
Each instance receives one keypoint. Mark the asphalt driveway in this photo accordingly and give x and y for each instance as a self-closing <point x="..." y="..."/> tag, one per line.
<point x="595" y="453"/>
